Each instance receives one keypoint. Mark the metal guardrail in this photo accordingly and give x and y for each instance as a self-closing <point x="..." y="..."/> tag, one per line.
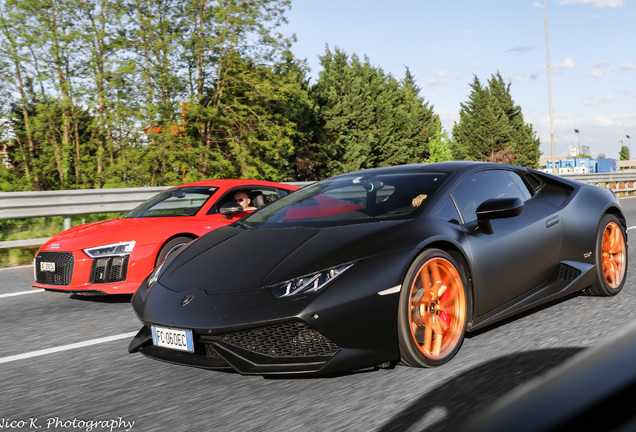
<point x="23" y="205"/>
<point x="622" y="183"/>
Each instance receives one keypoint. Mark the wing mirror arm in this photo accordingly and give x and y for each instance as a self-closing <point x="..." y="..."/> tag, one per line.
<point x="499" y="208"/>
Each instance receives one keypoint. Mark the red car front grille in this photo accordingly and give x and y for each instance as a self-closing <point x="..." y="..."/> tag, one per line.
<point x="54" y="268"/>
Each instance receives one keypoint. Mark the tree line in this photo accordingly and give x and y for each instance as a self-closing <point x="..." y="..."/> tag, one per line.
<point x="116" y="93"/>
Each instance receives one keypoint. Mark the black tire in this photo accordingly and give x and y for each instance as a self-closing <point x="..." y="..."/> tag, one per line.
<point x="170" y="247"/>
<point x="427" y="306"/>
<point x="611" y="257"/>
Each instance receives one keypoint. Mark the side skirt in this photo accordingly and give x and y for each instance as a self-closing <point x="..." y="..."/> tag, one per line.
<point x="568" y="277"/>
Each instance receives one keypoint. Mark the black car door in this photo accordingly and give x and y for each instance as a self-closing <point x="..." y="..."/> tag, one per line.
<point x="519" y="252"/>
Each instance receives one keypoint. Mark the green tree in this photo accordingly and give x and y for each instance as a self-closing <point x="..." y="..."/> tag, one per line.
<point x="250" y="131"/>
<point x="624" y="153"/>
<point x="524" y="144"/>
<point x="367" y="117"/>
<point x="483" y="129"/>
<point x="491" y="127"/>
<point x="440" y="148"/>
<point x="102" y="43"/>
<point x="101" y="91"/>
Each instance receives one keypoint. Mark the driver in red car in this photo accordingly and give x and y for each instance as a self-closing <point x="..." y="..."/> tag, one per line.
<point x="243" y="199"/>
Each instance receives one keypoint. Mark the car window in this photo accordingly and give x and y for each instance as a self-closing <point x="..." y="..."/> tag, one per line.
<point x="481" y="186"/>
<point x="181" y="201"/>
<point x="524" y="186"/>
<point x="448" y="211"/>
<point x="259" y="197"/>
<point x="352" y="198"/>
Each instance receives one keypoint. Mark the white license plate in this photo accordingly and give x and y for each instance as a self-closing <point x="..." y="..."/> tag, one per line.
<point x="172" y="338"/>
<point x="47" y="266"/>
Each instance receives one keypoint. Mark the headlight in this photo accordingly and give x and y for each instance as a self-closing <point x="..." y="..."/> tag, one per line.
<point x="117" y="249"/>
<point x="307" y="284"/>
<point x="154" y="275"/>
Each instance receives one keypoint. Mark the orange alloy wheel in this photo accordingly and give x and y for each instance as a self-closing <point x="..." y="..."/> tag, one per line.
<point x="613" y="255"/>
<point x="437" y="308"/>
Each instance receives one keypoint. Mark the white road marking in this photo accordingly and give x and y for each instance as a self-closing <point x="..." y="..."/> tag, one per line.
<point x="13" y="294"/>
<point x="16" y="267"/>
<point x="66" y="347"/>
<point x="631" y="228"/>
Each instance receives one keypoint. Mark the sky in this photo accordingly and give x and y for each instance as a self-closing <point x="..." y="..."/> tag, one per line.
<point x="445" y="43"/>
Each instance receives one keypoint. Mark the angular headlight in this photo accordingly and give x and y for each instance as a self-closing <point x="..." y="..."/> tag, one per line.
<point x="307" y="284"/>
<point x="154" y="275"/>
<point x="117" y="249"/>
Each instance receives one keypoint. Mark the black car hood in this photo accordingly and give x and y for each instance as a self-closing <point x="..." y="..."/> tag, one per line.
<point x="234" y="259"/>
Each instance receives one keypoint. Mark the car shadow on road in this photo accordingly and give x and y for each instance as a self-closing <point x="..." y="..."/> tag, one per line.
<point x="450" y="406"/>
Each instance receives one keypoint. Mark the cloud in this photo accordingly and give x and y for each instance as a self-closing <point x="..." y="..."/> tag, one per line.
<point x="537" y="5"/>
<point x="521" y="50"/>
<point x="440" y="74"/>
<point x="518" y="77"/>
<point x="598" y="102"/>
<point x="604" y="121"/>
<point x="628" y="93"/>
<point x="435" y="82"/>
<point x="601" y="64"/>
<point x="594" y="131"/>
<point x="596" y="73"/>
<point x="625" y="67"/>
<point x="568" y="64"/>
<point x="595" y="3"/>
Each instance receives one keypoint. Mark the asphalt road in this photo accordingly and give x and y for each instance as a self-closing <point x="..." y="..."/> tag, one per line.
<point x="64" y="366"/>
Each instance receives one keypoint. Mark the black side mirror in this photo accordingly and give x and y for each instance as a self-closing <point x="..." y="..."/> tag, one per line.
<point x="499" y="208"/>
<point x="231" y="208"/>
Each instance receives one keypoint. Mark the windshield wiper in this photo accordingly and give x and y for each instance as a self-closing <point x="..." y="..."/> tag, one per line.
<point x="243" y="225"/>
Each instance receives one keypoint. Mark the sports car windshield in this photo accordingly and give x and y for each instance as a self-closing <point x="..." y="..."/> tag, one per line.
<point x="182" y="201"/>
<point x="350" y="199"/>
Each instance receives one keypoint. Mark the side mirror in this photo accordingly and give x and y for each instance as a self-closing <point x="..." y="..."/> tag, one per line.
<point x="499" y="208"/>
<point x="231" y="208"/>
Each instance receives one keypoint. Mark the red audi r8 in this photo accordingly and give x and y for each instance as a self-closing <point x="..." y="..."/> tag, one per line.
<point x="115" y="256"/>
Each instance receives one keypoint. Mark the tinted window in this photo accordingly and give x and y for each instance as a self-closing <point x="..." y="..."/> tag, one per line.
<point x="351" y="199"/>
<point x="448" y="211"/>
<point x="523" y="186"/>
<point x="484" y="185"/>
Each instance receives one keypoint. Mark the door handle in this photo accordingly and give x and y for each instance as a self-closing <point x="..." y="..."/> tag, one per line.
<point x="552" y="221"/>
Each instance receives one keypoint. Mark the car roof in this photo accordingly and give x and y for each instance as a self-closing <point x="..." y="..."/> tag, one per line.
<point x="230" y="183"/>
<point x="452" y="166"/>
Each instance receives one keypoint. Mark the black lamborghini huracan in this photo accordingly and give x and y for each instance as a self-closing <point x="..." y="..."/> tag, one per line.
<point x="379" y="266"/>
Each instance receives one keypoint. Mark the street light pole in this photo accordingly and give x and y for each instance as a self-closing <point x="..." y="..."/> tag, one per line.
<point x="547" y="46"/>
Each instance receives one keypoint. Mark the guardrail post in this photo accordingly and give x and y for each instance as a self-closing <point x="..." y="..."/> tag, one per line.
<point x="67" y="222"/>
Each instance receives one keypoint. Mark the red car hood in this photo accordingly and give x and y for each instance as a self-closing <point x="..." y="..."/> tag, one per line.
<point x="107" y="232"/>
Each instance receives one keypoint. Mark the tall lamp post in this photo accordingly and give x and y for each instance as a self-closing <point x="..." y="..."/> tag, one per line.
<point x="547" y="49"/>
<point x="629" y="145"/>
